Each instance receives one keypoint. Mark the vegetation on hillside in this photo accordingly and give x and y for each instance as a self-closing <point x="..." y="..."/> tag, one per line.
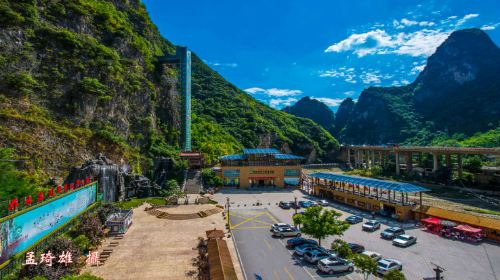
<point x="81" y="77"/>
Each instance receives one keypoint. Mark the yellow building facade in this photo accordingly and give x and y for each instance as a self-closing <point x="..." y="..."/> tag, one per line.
<point x="260" y="168"/>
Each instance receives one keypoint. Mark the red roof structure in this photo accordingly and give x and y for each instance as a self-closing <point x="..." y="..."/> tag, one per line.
<point x="469" y="229"/>
<point x="431" y="220"/>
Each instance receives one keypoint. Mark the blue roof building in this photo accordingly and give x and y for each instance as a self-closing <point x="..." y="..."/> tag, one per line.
<point x="261" y="167"/>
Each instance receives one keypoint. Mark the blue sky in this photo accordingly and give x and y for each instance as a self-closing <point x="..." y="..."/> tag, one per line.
<point x="281" y="50"/>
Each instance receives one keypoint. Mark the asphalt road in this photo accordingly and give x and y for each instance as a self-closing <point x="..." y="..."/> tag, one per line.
<point x="263" y="255"/>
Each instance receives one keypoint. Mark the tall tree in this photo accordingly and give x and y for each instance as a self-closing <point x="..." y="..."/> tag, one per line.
<point x="366" y="264"/>
<point x="321" y="223"/>
<point x="394" y="275"/>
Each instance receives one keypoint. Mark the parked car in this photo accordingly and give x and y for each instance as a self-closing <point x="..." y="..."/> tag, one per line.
<point x="279" y="225"/>
<point x="374" y="255"/>
<point x="284" y="205"/>
<point x="333" y="265"/>
<point x="313" y="203"/>
<point x="298" y="241"/>
<point x="316" y="255"/>
<point x="371" y="225"/>
<point x="302" y="249"/>
<point x="305" y="204"/>
<point x="294" y="205"/>
<point x="386" y="265"/>
<point x="392" y="232"/>
<point x="404" y="240"/>
<point x="286" y="232"/>
<point x="354" y="219"/>
<point x="356" y="248"/>
<point x="323" y="202"/>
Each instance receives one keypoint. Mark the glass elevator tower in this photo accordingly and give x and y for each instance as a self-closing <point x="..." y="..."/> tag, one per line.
<point x="182" y="59"/>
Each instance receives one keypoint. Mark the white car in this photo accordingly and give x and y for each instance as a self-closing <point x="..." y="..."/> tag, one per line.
<point x="323" y="202"/>
<point x="286" y="232"/>
<point x="332" y="265"/>
<point x="316" y="255"/>
<point x="386" y="265"/>
<point x="371" y="225"/>
<point x="404" y="240"/>
<point x="374" y="255"/>
<point x="279" y="225"/>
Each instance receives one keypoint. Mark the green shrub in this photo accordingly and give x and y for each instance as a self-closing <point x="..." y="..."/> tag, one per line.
<point x="92" y="86"/>
<point x="82" y="242"/>
<point x="84" y="276"/>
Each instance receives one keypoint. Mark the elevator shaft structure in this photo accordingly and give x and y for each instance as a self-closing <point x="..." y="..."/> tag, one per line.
<point x="182" y="59"/>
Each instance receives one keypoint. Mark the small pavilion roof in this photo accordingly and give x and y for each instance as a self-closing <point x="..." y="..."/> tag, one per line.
<point x="368" y="182"/>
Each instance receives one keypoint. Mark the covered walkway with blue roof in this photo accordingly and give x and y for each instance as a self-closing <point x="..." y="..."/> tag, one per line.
<point x="367" y="193"/>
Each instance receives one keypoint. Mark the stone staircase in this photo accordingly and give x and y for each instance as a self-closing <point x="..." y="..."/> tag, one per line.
<point x="193" y="182"/>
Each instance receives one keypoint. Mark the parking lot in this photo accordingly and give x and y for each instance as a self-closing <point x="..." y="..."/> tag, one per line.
<point x="253" y="240"/>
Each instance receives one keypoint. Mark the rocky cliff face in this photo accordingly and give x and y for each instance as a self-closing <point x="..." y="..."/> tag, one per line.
<point x="315" y="110"/>
<point x="79" y="78"/>
<point x="457" y="92"/>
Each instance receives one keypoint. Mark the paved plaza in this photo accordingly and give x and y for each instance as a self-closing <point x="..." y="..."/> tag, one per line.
<point x="263" y="255"/>
<point x="160" y="248"/>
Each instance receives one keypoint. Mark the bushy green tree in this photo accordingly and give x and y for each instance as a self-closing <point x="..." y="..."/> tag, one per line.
<point x="321" y="223"/>
<point x="84" y="276"/>
<point x="210" y="178"/>
<point x="394" y="275"/>
<point x="473" y="164"/>
<point x="365" y="264"/>
<point x="13" y="183"/>
<point x="82" y="242"/>
<point x="341" y="248"/>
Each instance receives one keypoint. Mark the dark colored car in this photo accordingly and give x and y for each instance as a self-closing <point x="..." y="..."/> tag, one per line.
<point x="356" y="248"/>
<point x="392" y="232"/>
<point x="284" y="205"/>
<point x="298" y="241"/>
<point x="294" y="206"/>
<point x="354" y="219"/>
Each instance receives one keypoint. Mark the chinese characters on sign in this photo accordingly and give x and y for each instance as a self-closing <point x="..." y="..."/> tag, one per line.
<point x="48" y="258"/>
<point x="93" y="258"/>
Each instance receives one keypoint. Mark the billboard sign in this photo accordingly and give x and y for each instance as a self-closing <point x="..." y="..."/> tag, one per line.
<point x="22" y="230"/>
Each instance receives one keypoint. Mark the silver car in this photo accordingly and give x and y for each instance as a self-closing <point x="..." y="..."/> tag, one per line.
<point x="373" y="255"/>
<point x="333" y="265"/>
<point x="386" y="265"/>
<point x="323" y="202"/>
<point x="404" y="240"/>
<point x="316" y="255"/>
<point x="286" y="232"/>
<point x="279" y="225"/>
<point x="371" y="225"/>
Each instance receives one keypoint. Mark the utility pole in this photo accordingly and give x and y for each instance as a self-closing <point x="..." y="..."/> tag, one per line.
<point x="438" y="271"/>
<point x="228" y="219"/>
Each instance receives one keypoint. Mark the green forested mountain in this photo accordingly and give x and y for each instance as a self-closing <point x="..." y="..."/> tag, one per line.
<point x="458" y="92"/>
<point x="80" y="77"/>
<point x="314" y="110"/>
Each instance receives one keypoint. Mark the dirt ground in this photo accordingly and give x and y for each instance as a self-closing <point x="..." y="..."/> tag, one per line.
<point x="161" y="249"/>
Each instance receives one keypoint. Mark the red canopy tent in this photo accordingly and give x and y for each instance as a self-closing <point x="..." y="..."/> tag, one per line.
<point x="468" y="229"/>
<point x="431" y="221"/>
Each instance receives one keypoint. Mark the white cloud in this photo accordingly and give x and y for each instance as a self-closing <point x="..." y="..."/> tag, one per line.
<point x="220" y="64"/>
<point x="419" y="43"/>
<point x="349" y="93"/>
<point x="276" y="92"/>
<point x="370" y="78"/>
<point x="417" y="69"/>
<point x="490" y="26"/>
<point x="466" y="18"/>
<point x="422" y="39"/>
<point x="280" y="102"/>
<point x="332" y="102"/>
<point x="347" y="74"/>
